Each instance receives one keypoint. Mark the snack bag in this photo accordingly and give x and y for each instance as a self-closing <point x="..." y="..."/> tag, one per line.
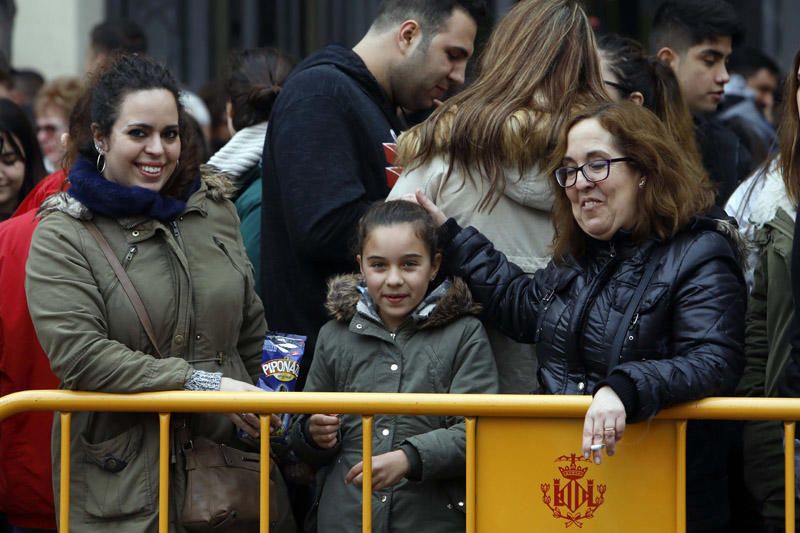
<point x="280" y="366"/>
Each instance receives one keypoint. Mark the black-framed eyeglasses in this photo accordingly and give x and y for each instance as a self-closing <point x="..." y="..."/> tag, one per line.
<point x="594" y="171"/>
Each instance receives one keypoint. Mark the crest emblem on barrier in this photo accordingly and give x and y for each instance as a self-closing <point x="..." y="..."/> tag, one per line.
<point x="574" y="499"/>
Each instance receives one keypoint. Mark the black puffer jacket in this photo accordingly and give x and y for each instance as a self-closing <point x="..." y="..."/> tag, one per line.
<point x="685" y="341"/>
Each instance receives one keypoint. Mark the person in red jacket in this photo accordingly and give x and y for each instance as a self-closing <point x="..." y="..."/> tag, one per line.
<point x="26" y="492"/>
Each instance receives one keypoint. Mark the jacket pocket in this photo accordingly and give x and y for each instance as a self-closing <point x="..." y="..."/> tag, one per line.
<point x="119" y="475"/>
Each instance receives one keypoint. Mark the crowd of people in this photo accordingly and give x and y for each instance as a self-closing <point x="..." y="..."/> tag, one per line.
<point x="587" y="215"/>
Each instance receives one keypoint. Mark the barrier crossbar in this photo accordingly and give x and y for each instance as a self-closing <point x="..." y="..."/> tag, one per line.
<point x="369" y="404"/>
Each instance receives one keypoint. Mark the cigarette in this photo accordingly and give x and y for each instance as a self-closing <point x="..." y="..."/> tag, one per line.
<point x="596" y="447"/>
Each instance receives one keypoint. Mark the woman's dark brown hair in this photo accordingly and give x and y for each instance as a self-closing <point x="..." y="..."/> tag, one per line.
<point x="101" y="103"/>
<point x="256" y="78"/>
<point x="673" y="194"/>
<point x="789" y="134"/>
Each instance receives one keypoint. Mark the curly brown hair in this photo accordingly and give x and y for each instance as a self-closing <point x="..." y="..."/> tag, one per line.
<point x="676" y="189"/>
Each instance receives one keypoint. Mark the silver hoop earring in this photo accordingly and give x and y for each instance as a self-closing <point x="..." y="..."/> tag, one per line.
<point x="642" y="183"/>
<point x="100" y="168"/>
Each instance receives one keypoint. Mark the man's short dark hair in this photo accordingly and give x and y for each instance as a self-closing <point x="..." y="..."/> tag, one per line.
<point x="5" y="72"/>
<point x="119" y="35"/>
<point x="680" y="24"/>
<point x="429" y="13"/>
<point x="747" y="61"/>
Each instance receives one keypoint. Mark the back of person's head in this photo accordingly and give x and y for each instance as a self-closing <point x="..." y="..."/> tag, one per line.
<point x="789" y="133"/>
<point x="382" y="214"/>
<point x="539" y="63"/>
<point x="61" y="93"/>
<point x="649" y="82"/>
<point x="673" y="193"/>
<point x="431" y="14"/>
<point x="27" y="82"/>
<point x="681" y="24"/>
<point x="100" y="105"/>
<point x="6" y="81"/>
<point x="256" y="78"/>
<point x="17" y="130"/>
<point x="747" y="61"/>
<point x="118" y="36"/>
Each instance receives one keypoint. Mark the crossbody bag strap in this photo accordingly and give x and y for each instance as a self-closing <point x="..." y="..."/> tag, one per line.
<point x="127" y="285"/>
<point x="619" y="338"/>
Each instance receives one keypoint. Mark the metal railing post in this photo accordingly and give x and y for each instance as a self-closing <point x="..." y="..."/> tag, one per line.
<point x="471" y="501"/>
<point x="163" y="472"/>
<point x="789" y="474"/>
<point x="366" y="480"/>
<point x="263" y="503"/>
<point x="680" y="474"/>
<point x="66" y="423"/>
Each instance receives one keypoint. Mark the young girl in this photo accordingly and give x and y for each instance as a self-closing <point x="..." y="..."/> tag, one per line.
<point x="390" y="333"/>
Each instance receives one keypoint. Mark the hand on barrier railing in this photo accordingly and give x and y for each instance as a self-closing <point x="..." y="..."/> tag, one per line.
<point x="603" y="425"/>
<point x="324" y="429"/>
<point x="387" y="470"/>
<point x="247" y="422"/>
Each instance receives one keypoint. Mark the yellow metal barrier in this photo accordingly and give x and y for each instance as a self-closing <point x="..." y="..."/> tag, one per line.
<point x="494" y="408"/>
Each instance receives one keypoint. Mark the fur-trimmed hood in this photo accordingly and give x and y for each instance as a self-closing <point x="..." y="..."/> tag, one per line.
<point x="717" y="220"/>
<point x="215" y="186"/>
<point x="452" y="299"/>
<point x="772" y="197"/>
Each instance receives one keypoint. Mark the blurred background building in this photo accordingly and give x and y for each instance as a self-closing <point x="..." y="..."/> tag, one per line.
<point x="194" y="36"/>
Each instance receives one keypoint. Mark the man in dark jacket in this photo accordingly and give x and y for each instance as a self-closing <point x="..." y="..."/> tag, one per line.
<point x="324" y="159"/>
<point x="695" y="38"/>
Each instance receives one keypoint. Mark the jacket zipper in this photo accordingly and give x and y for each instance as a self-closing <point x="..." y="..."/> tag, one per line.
<point x="540" y="319"/>
<point x="221" y="246"/>
<point x="129" y="256"/>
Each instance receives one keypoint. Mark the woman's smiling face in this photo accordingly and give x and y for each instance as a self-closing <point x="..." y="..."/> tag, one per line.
<point x="600" y="208"/>
<point x="144" y="145"/>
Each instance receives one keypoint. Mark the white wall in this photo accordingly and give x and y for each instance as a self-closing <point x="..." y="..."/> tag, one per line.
<point x="51" y="36"/>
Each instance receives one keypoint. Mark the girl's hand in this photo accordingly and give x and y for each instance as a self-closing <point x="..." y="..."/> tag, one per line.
<point x="387" y="470"/>
<point x="324" y="430"/>
<point x="247" y="422"/>
<point x="604" y="424"/>
<point x="437" y="214"/>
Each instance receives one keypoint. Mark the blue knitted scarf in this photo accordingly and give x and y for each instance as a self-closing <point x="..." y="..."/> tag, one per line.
<point x="114" y="200"/>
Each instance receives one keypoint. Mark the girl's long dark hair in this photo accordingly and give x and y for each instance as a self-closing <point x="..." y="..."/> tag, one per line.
<point x="19" y="133"/>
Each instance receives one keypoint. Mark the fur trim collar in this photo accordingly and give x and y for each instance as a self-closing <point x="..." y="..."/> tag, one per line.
<point x="215" y="186"/>
<point x="344" y="297"/>
<point x="771" y="198"/>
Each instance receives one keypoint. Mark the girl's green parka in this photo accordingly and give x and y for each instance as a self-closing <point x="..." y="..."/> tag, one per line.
<point x="440" y="348"/>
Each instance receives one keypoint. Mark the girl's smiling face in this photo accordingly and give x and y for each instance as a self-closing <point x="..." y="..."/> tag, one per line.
<point x="397" y="268"/>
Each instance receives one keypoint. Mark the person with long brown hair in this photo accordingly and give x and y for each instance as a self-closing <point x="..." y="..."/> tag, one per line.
<point x="642" y="305"/>
<point x="483" y="154"/>
<point x="771" y="342"/>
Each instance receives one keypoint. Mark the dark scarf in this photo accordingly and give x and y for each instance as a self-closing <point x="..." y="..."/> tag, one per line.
<point x="114" y="200"/>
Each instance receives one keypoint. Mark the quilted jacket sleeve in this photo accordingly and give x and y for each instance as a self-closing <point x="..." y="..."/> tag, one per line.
<point x="708" y="304"/>
<point x="443" y="451"/>
<point x="510" y="298"/>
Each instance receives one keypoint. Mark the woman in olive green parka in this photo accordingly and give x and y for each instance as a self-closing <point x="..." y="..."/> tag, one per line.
<point x="767" y="341"/>
<point x="135" y="176"/>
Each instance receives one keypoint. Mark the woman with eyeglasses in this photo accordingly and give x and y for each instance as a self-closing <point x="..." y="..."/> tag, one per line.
<point x="20" y="159"/>
<point x="482" y="155"/>
<point x="54" y="103"/>
<point x="642" y="305"/>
